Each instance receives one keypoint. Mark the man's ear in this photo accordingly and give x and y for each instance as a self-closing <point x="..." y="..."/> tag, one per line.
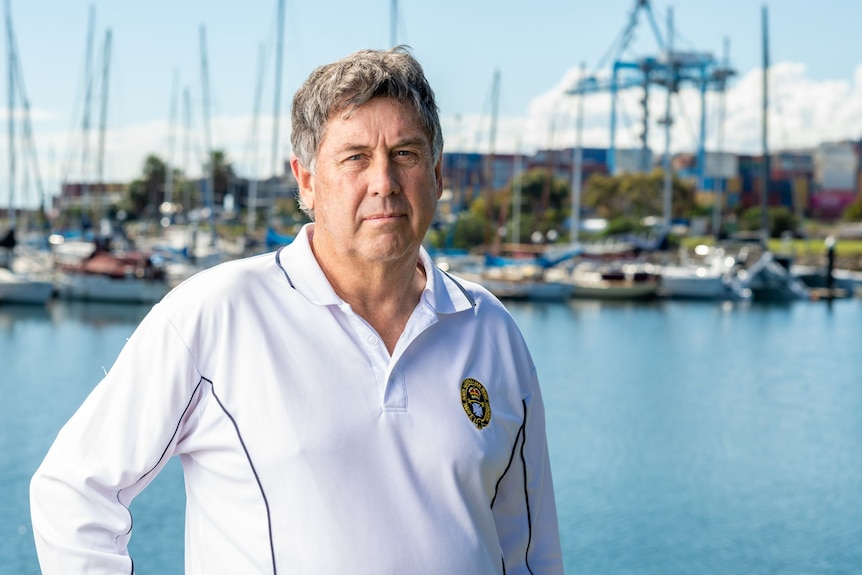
<point x="305" y="181"/>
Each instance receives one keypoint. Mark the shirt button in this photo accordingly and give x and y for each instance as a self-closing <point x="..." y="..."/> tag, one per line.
<point x="371" y="340"/>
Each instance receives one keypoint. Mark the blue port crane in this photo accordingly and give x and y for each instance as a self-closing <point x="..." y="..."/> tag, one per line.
<point x="670" y="69"/>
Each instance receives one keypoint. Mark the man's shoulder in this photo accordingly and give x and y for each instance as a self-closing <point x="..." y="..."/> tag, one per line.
<point x="225" y="280"/>
<point x="473" y="290"/>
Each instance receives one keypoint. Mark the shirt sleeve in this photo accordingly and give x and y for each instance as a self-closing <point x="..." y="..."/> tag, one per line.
<point x="524" y="507"/>
<point x="110" y="449"/>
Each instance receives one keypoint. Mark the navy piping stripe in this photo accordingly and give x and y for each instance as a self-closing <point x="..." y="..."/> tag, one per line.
<point x="520" y="437"/>
<point x="508" y="465"/>
<point x="162" y="456"/>
<point x="526" y="495"/>
<point x="281" y="267"/>
<point x="460" y="287"/>
<point x="253" y="470"/>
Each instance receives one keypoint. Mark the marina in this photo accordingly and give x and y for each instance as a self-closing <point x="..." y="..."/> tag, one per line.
<point x="691" y="296"/>
<point x="686" y="437"/>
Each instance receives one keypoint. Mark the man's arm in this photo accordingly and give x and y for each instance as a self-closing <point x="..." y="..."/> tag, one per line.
<point x="111" y="448"/>
<point x="524" y="509"/>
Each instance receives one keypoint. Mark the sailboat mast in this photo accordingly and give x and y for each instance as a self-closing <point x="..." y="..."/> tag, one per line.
<point x="577" y="167"/>
<point x="667" y="207"/>
<point x="169" y="176"/>
<point x="85" y="123"/>
<point x="187" y="130"/>
<point x="517" y="191"/>
<point x="276" y="112"/>
<point x="103" y="121"/>
<point x="393" y="23"/>
<point x="28" y="145"/>
<point x="764" y="166"/>
<point x="251" y="209"/>
<point x="27" y="130"/>
<point x="489" y="170"/>
<point x="210" y="186"/>
<point x="11" y="121"/>
<point x="718" y="204"/>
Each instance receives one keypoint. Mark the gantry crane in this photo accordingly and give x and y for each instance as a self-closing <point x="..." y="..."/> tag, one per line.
<point x="670" y="69"/>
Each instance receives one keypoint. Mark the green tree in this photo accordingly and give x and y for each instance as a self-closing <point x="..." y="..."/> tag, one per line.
<point x="545" y="202"/>
<point x="467" y="231"/>
<point x="222" y="172"/>
<point x="780" y="219"/>
<point x="637" y="195"/>
<point x="146" y="193"/>
<point x="853" y="212"/>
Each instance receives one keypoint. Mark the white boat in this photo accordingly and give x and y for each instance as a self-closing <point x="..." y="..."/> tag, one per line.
<point x="627" y="281"/>
<point x="699" y="282"/>
<point x="712" y="277"/>
<point x="22" y="280"/>
<point x="107" y="289"/>
<point x="769" y="280"/>
<point x="519" y="282"/>
<point x="109" y="277"/>
<point x="24" y="288"/>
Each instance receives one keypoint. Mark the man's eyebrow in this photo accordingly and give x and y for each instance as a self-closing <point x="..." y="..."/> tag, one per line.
<point x="410" y="142"/>
<point x="352" y="148"/>
<point x="406" y="142"/>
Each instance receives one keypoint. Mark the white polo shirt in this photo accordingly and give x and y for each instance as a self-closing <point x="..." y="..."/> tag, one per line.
<point x="306" y="448"/>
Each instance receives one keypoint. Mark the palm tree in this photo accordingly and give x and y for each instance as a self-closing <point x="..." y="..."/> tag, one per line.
<point x="222" y="174"/>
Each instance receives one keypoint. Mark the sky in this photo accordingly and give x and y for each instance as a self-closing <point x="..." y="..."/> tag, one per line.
<point x="152" y="97"/>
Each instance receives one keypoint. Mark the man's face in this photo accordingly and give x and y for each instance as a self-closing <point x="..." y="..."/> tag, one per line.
<point x="376" y="186"/>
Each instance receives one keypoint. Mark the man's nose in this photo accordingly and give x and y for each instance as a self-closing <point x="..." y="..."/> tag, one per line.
<point x="383" y="178"/>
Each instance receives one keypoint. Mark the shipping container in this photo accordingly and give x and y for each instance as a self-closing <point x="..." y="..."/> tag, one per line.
<point x="831" y="203"/>
<point x="721" y="165"/>
<point x="836" y="166"/>
<point x="632" y="160"/>
<point x="791" y="164"/>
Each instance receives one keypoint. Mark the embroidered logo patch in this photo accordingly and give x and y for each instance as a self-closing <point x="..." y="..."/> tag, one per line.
<point x="474" y="398"/>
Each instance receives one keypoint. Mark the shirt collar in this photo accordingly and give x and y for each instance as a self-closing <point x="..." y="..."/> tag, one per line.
<point x="442" y="293"/>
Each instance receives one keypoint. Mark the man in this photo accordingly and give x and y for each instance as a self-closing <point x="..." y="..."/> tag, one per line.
<point x="339" y="406"/>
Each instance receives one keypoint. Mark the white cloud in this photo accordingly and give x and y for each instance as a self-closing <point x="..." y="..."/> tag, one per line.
<point x="802" y="113"/>
<point x="64" y="155"/>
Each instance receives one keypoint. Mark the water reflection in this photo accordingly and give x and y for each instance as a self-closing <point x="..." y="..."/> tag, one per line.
<point x="98" y="313"/>
<point x="703" y="437"/>
<point x="82" y="312"/>
<point x="11" y="313"/>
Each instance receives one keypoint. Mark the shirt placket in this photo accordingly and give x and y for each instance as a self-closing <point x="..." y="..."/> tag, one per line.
<point x="388" y="371"/>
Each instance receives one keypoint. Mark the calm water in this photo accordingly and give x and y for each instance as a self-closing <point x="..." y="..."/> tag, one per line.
<point x="685" y="438"/>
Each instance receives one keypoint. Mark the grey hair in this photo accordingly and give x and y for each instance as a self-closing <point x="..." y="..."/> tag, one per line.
<point x="345" y="85"/>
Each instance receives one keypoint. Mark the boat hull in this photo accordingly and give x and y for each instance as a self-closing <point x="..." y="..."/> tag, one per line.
<point x="615" y="292"/>
<point x="698" y="284"/>
<point x="19" y="289"/>
<point x="107" y="289"/>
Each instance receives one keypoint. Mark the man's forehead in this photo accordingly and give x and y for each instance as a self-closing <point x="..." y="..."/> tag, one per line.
<point x="348" y="106"/>
<point x="405" y="112"/>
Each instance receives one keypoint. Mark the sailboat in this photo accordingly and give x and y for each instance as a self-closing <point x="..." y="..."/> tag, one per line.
<point x="113" y="270"/>
<point x="712" y="275"/>
<point x="110" y="276"/>
<point x="506" y="277"/>
<point x="17" y="286"/>
<point x="22" y="286"/>
<point x="768" y="279"/>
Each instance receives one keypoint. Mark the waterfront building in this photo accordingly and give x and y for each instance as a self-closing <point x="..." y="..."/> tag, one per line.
<point x="819" y="182"/>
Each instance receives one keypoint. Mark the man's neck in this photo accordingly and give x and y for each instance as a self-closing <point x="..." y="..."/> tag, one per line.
<point x="383" y="293"/>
